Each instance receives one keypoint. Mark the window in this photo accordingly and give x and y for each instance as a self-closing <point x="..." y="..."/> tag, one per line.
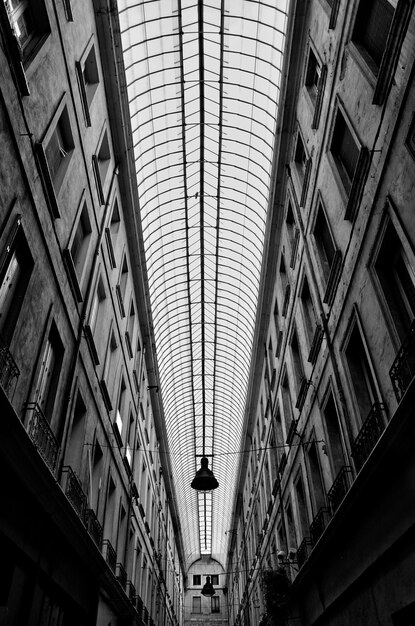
<point x="214" y="579"/>
<point x="196" y="604"/>
<point x="297" y="361"/>
<point x="301" y="508"/>
<point x="97" y="307"/>
<point x="317" y="485"/>
<point x="108" y="369"/>
<point x="315" y="81"/>
<point x="47" y="378"/>
<point x="129" y="334"/>
<point x="313" y="330"/>
<point x="334" y="447"/>
<point x="197" y="579"/>
<point x="75" y="255"/>
<point x="360" y="372"/>
<point x="303" y="167"/>
<point x="119" y="414"/>
<point x="101" y="163"/>
<point x="329" y="258"/>
<point x="88" y="79"/>
<point x="395" y="270"/>
<point x="29" y="22"/>
<point x="371" y="29"/>
<point x="16" y="266"/>
<point x="345" y="150"/>
<point x="55" y="154"/>
<point x="285" y="288"/>
<point x="122" y="286"/>
<point x="111" y="233"/>
<point x="293" y="234"/>
<point x="215" y="604"/>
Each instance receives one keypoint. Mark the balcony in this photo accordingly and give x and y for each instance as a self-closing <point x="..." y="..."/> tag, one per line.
<point x="94" y="527"/>
<point x="339" y="488"/>
<point x="110" y="555"/>
<point x="73" y="491"/>
<point x="304" y="551"/>
<point x="319" y="524"/>
<point x="369" y="434"/>
<point x="121" y="575"/>
<point x="9" y="372"/>
<point x="402" y="371"/>
<point x="42" y="436"/>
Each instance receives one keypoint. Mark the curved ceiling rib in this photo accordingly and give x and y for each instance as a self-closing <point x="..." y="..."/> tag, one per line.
<point x="203" y="86"/>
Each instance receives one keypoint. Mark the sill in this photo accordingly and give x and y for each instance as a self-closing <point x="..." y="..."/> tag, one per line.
<point x="73" y="277"/>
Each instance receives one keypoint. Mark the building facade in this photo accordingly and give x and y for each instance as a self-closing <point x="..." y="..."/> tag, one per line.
<point x="324" y="524"/>
<point x="89" y="530"/>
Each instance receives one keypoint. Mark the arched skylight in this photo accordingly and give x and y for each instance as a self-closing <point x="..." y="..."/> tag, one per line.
<point x="203" y="83"/>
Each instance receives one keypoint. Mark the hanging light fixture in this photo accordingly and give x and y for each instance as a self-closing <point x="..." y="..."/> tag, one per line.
<point x="205" y="479"/>
<point x="207" y="589"/>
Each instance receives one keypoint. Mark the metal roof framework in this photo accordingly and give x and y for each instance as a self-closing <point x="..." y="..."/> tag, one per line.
<point x="203" y="79"/>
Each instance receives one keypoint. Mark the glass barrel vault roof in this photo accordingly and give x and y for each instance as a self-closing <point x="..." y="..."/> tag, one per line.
<point x="203" y="87"/>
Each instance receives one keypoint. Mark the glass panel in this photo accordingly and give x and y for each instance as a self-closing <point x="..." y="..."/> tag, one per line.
<point x="203" y="106"/>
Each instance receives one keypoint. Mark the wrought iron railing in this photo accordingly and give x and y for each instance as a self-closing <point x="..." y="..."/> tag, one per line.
<point x="369" y="434"/>
<point x="42" y="435"/>
<point x="9" y="372"/>
<point x="94" y="527"/>
<point x="109" y="554"/>
<point x="73" y="490"/>
<point x="132" y="593"/>
<point x="139" y="606"/>
<point x="121" y="575"/>
<point x="402" y="371"/>
<point x="304" y="551"/>
<point x="319" y="524"/>
<point x="339" y="488"/>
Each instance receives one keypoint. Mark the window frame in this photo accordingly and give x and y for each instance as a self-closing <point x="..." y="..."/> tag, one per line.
<point x="54" y="181"/>
<point x="381" y="73"/>
<point x="390" y="219"/>
<point x="101" y="162"/>
<point x="87" y="66"/>
<point x="76" y="277"/>
<point x="330" y="275"/>
<point x="355" y="324"/>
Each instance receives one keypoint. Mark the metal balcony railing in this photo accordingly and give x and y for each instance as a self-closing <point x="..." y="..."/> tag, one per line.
<point x="402" y="371"/>
<point x="339" y="488"/>
<point x="132" y="593"/>
<point x="9" y="372"/>
<point x="121" y="575"/>
<point x="73" y="490"/>
<point x="94" y="527"/>
<point x="304" y="551"/>
<point x="369" y="434"/>
<point x="139" y="606"/>
<point x="42" y="436"/>
<point x="319" y="524"/>
<point x="109" y="554"/>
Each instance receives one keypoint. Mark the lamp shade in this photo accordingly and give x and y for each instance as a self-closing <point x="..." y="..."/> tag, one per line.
<point x="204" y="479"/>
<point x="207" y="589"/>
